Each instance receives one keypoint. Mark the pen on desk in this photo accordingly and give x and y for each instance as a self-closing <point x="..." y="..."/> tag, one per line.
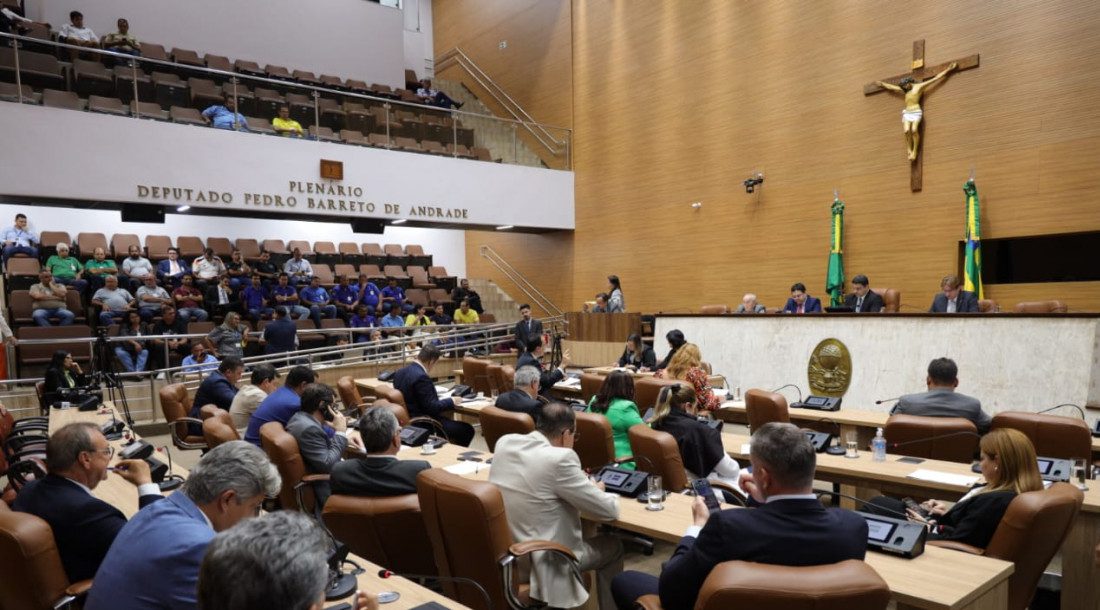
<point x="117" y="469"/>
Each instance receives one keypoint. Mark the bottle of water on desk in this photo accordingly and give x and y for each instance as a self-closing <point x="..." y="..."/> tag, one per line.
<point x="878" y="447"/>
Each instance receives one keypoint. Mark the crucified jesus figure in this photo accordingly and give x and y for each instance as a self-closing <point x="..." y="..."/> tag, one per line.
<point x="911" y="115"/>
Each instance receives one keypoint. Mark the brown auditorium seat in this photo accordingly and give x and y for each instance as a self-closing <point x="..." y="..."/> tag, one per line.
<point x="50" y="239"/>
<point x="398" y="409"/>
<point x="301" y="108"/>
<point x="590" y="386"/>
<point x="714" y="309"/>
<point x="1040" y="307"/>
<point x="62" y="99"/>
<point x="330" y="81"/>
<point x="1054" y="436"/>
<point x="175" y="403"/>
<point x="378" y="140"/>
<point x="22" y="273"/>
<point x="934" y="433"/>
<point x="417" y="256"/>
<point x="217" y="62"/>
<point x="459" y="150"/>
<point x="762" y="406"/>
<point x="332" y="115"/>
<point x="987" y="306"/>
<point x="301" y="245"/>
<point x="658" y="453"/>
<point x="387" y="531"/>
<point x="156" y="247"/>
<point x="21" y="307"/>
<point x="595" y="443"/>
<point x="204" y="93"/>
<point x="346" y="270"/>
<point x="200" y="328"/>
<point x="349" y="393"/>
<point x="373" y="273"/>
<point x="349" y="136"/>
<point x="419" y="278"/>
<point x="498" y="380"/>
<point x="187" y="58"/>
<point x="92" y="78"/>
<point x="246" y="67"/>
<point x="358" y="118"/>
<point x="475" y="373"/>
<point x="215" y="431"/>
<point x="277" y="72"/>
<point x="186" y="116"/>
<point x="268" y="101"/>
<point x="170" y="90"/>
<point x="322" y="133"/>
<point x="260" y="125"/>
<point x="148" y="110"/>
<point x="374" y="254"/>
<point x="275" y="246"/>
<point x="34" y="577"/>
<point x="73" y="302"/>
<point x="357" y="86"/>
<point x="416" y="296"/>
<point x="282" y="449"/>
<point x="440" y="296"/>
<point x="432" y="147"/>
<point x="39" y="70"/>
<point x="395" y="255"/>
<point x="324" y="247"/>
<point x="121" y="242"/>
<point x="646" y="390"/>
<point x="151" y="50"/>
<point x="250" y="249"/>
<point x="308" y="340"/>
<point x="891" y="299"/>
<point x="406" y="144"/>
<point x="482" y="154"/>
<point x="189" y="246"/>
<point x="397" y="273"/>
<point x="442" y="279"/>
<point x="324" y="272"/>
<point x="222" y="247"/>
<point x="496" y="422"/>
<point x="86" y="243"/>
<point x="487" y="318"/>
<point x="507" y="378"/>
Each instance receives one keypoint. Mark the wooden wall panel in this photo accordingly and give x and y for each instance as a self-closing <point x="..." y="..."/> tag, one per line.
<point x="545" y="260"/>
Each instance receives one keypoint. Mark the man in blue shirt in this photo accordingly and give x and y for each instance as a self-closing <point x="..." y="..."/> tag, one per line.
<point x="225" y="116"/>
<point x="281" y="404"/>
<point x="18" y="240"/>
<point x="393" y="295"/>
<point x="284" y="295"/>
<point x="345" y="296"/>
<point x="316" y="298"/>
<point x="280" y="335"/>
<point x="254" y="300"/>
<point x="369" y="294"/>
<point x="393" y="318"/>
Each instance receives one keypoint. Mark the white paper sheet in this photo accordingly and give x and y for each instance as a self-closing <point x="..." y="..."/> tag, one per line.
<point x="948" y="478"/>
<point x="465" y="468"/>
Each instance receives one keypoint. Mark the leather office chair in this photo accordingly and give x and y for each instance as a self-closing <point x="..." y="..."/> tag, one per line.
<point x="34" y="578"/>
<point x="398" y="410"/>
<point x="591" y="384"/>
<point x="494" y="377"/>
<point x="475" y="373"/>
<point x="349" y="394"/>
<point x="848" y="585"/>
<point x="713" y="310"/>
<point x="282" y="449"/>
<point x="495" y="423"/>
<point x="762" y="406"/>
<point x="1041" y="307"/>
<point x="891" y="299"/>
<point x="646" y="390"/>
<point x="175" y="402"/>
<point x="987" y="306"/>
<point x="482" y="549"/>
<point x="208" y="411"/>
<point x="40" y="392"/>
<point x="1031" y="532"/>
<point x="390" y="394"/>
<point x="657" y="453"/>
<point x="595" y="445"/>
<point x="387" y="531"/>
<point x="508" y="377"/>
<point x="1054" y="436"/>
<point x="911" y="428"/>
<point x="217" y="431"/>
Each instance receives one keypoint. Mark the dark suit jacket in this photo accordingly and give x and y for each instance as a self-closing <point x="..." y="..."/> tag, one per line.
<point x="319" y="451"/>
<point x="518" y="401"/>
<point x="376" y="476"/>
<point x="872" y="302"/>
<point x="419" y="392"/>
<point x="523" y="335"/>
<point x="547" y="379"/>
<point x="55" y="379"/>
<point x="812" y="305"/>
<point x="83" y="526"/>
<point x="944" y="403"/>
<point x="214" y="390"/>
<point x="966" y="302"/>
<point x="785" y="532"/>
<point x="648" y="358"/>
<point x="974" y="520"/>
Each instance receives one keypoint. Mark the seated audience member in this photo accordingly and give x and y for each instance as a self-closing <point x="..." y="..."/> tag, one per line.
<point x="155" y="559"/>
<point x="376" y="348"/>
<point x="393" y="319"/>
<point x="267" y="270"/>
<point x="415" y="384"/>
<point x="151" y="299"/>
<point x="637" y="354"/>
<point x="116" y="302"/>
<point x="439" y="315"/>
<point x="135" y="268"/>
<point x="1009" y="467"/>
<point x="527" y="328"/>
<point x="76" y="34"/>
<point x="433" y="97"/>
<point x="392" y="295"/>
<point x="599" y="307"/>
<point x="77" y="456"/>
<point x="122" y="41"/>
<point x="248" y="398"/>
<point x="532" y="356"/>
<point x="789" y="527"/>
<point x="344" y="297"/>
<point x="200" y="361"/>
<point x="189" y="302"/>
<point x="544" y="490"/>
<point x="12" y="22"/>
<point x="462" y="292"/>
<point x="132" y="353"/>
<point x="286" y="126"/>
<point x="171" y="271"/>
<point x="317" y="299"/>
<point x="281" y="404"/>
<point x="298" y="269"/>
<point x="615" y="401"/>
<point x="362" y="319"/>
<point x="280" y="334"/>
<point x="98" y="268"/>
<point x="48" y="299"/>
<point x="254" y="300"/>
<point x="941" y="399"/>
<point x="676" y="340"/>
<point x="418" y="317"/>
<point x="222" y="298"/>
<point x="700" y="445"/>
<point x="466" y="314"/>
<point x="18" y="239"/>
<point x="800" y="302"/>
<point x="219" y="388"/>
<point x="615" y="302"/>
<point x="284" y="295"/>
<point x="228" y="339"/>
<point x="524" y="395"/>
<point x="207" y="269"/>
<point x="749" y="304"/>
<point x="278" y="560"/>
<point x="687" y="365"/>
<point x="379" y="473"/>
<point x="952" y="298"/>
<point x="308" y="426"/>
<point x="225" y="115"/>
<point x="369" y="294"/>
<point x="237" y="270"/>
<point x="863" y="299"/>
<point x="62" y="373"/>
<point x="169" y="324"/>
<point x="66" y="269"/>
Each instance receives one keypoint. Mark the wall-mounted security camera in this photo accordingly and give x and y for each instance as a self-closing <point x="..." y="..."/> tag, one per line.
<point x="754" y="181"/>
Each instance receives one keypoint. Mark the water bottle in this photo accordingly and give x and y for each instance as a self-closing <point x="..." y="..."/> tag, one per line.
<point x="878" y="447"/>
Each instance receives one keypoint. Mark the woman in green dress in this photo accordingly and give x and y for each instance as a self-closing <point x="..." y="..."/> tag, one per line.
<point x="615" y="401"/>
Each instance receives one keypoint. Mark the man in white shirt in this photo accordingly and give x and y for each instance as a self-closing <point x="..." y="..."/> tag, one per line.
<point x="207" y="269"/>
<point x="19" y="239"/>
<point x="249" y="397"/>
<point x="10" y="19"/>
<point x="76" y="34"/>
<point x="297" y="268"/>
<point x="135" y="268"/>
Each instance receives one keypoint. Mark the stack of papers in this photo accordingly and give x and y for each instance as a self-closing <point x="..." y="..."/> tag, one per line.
<point x="962" y="480"/>
<point x="465" y="468"/>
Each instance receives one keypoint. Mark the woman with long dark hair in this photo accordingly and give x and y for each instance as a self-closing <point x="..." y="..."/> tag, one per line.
<point x="615" y="401"/>
<point x="615" y="302"/>
<point x="62" y="372"/>
<point x="676" y="340"/>
<point x="637" y="354"/>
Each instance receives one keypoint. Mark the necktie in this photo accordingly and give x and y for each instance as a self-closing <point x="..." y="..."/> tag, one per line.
<point x="859" y="304"/>
<point x="222" y="297"/>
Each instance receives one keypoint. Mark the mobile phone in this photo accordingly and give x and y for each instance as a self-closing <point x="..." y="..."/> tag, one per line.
<point x="704" y="490"/>
<point x="912" y="505"/>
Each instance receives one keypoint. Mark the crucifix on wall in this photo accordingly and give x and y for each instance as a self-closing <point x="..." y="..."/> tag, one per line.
<point x="913" y="85"/>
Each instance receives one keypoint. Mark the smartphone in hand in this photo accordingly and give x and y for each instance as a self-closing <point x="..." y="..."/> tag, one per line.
<point x="703" y="489"/>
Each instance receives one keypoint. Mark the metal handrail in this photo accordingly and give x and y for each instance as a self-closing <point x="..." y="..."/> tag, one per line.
<point x="537" y="130"/>
<point x="533" y="294"/>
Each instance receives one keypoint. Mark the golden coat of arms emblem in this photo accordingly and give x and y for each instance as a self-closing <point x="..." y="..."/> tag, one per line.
<point x="830" y="369"/>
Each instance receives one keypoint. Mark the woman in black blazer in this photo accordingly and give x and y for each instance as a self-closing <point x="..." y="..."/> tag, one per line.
<point x="700" y="445"/>
<point x="638" y="355"/>
<point x="62" y="372"/>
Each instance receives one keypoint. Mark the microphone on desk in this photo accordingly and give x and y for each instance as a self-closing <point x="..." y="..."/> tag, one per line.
<point x="879" y="402"/>
<point x="340" y="585"/>
<point x="384" y="573"/>
<point x="933" y="438"/>
<point x="1065" y="404"/>
<point x="822" y="492"/>
<point x="834" y="448"/>
<point x="791" y="385"/>
<point x="171" y="480"/>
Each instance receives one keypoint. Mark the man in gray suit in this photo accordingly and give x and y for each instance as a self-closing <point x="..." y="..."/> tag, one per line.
<point x="379" y="474"/>
<point x="319" y="451"/>
<point x="545" y="490"/>
<point x="953" y="299"/>
<point x="941" y="399"/>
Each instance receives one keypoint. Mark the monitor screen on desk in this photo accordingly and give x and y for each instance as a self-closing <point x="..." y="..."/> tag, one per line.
<point x="880" y="531"/>
<point x="1045" y="465"/>
<point x="614" y="478"/>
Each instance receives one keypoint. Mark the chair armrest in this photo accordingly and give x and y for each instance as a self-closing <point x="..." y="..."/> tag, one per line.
<point x="623" y="460"/>
<point x="648" y="602"/>
<point x="176" y="440"/>
<point x="520" y="549"/>
<point x="311" y="480"/>
<point x="79" y="588"/>
<point x="507" y="563"/>
<point x="957" y="546"/>
<point x="438" y="427"/>
<point x="732" y="490"/>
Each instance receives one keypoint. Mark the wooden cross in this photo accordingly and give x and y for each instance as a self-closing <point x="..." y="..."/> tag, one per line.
<point x="919" y="72"/>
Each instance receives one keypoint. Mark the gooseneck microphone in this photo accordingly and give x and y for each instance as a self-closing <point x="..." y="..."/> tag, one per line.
<point x="1065" y="404"/>
<point x="340" y="585"/>
<point x="879" y="402"/>
<point x="384" y="573"/>
<point x="822" y="492"/>
<point x="791" y="385"/>
<point x="834" y="448"/>
<point x="934" y="438"/>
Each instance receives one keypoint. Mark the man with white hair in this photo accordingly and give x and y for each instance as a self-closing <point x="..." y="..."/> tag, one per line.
<point x="749" y="304"/>
<point x="524" y="395"/>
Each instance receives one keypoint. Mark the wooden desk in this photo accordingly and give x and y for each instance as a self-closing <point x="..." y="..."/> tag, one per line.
<point x="469" y="407"/>
<point x="412" y="594"/>
<point x="714" y="380"/>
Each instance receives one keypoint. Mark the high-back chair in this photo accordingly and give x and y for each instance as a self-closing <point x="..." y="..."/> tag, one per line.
<point x="646" y="390"/>
<point x="217" y="431"/>
<point x="1054" y="436"/>
<point x="282" y="449"/>
<point x="349" y="394"/>
<point x="175" y="402"/>
<point x="591" y="384"/>
<point x="495" y="423"/>
<point x="762" y="406"/>
<point x="389" y="393"/>
<point x="34" y="578"/>
<point x="953" y="439"/>
<point x="657" y="453"/>
<point x="595" y="445"/>
<point x="387" y="531"/>
<point x="891" y="299"/>
<point x="475" y="373"/>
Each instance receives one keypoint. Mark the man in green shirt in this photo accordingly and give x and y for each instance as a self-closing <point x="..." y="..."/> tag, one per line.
<point x="98" y="268"/>
<point x="122" y="41"/>
<point x="66" y="269"/>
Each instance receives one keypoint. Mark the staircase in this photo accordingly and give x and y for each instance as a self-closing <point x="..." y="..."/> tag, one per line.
<point x="489" y="133"/>
<point x="496" y="301"/>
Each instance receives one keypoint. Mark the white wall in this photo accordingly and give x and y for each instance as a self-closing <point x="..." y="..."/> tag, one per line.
<point x="346" y="38"/>
<point x="419" y="46"/>
<point x="448" y="247"/>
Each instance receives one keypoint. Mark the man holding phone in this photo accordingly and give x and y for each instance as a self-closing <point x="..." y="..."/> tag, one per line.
<point x="320" y="452"/>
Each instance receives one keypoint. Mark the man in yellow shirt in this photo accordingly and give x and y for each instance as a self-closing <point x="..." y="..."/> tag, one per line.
<point x="465" y="315"/>
<point x="286" y="126"/>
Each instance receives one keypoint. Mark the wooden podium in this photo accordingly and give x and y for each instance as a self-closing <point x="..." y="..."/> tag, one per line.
<point x="596" y="339"/>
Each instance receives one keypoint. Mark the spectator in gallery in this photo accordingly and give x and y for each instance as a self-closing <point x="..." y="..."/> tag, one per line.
<point x="369" y="294"/>
<point x="317" y="299"/>
<point x="10" y="19"/>
<point x="254" y="300"/>
<point x="267" y="270"/>
<point x="169" y="324"/>
<point x="133" y="353"/>
<point x="749" y="304"/>
<point x="434" y="97"/>
<point x="297" y="268"/>
<point x="49" y="301"/>
<point x="122" y="41"/>
<point x="393" y="294"/>
<point x="466" y="314"/>
<point x="615" y="302"/>
<point x="66" y="269"/>
<point x="18" y="239"/>
<point x="344" y="296"/>
<point x="238" y="271"/>
<point x="801" y="302"/>
<point x="170" y="271"/>
<point x="362" y="318"/>
<point x="200" y="361"/>
<point x="222" y="298"/>
<point x="230" y="338"/>
<point x="189" y="302"/>
<point x="284" y="295"/>
<point x="462" y="292"/>
<point x="439" y="315"/>
<point x="225" y="115"/>
<point x="419" y="317"/>
<point x="151" y="298"/>
<point x="286" y="126"/>
<point x="98" y="268"/>
<point x="135" y="268"/>
<point x="116" y="302"/>
<point x="207" y="269"/>
<point x="393" y="319"/>
<point x="76" y="34"/>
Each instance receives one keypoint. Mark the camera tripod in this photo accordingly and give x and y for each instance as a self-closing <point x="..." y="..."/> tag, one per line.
<point x="104" y="369"/>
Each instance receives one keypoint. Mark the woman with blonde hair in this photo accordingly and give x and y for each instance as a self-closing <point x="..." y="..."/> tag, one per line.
<point x="700" y="445"/>
<point x="687" y="365"/>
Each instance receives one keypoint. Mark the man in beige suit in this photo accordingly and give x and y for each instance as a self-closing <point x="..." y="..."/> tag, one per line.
<point x="545" y="490"/>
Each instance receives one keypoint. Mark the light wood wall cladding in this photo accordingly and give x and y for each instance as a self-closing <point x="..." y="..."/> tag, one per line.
<point x="545" y="260"/>
<point x="678" y="102"/>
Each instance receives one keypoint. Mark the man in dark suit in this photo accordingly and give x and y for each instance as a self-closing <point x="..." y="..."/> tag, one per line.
<point x="524" y="395"/>
<point x="789" y="525"/>
<point x="83" y="526"/>
<point x="217" y="389"/>
<point x="526" y="328"/>
<point x="953" y="299"/>
<point x="800" y="302"/>
<point x="862" y="300"/>
<point x="319" y="451"/>
<point x="532" y="357"/>
<point x="422" y="401"/>
<point x="941" y="399"/>
<point x="379" y="474"/>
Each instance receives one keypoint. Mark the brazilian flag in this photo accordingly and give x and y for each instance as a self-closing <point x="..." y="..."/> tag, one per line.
<point x="972" y="265"/>
<point x="834" y="279"/>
